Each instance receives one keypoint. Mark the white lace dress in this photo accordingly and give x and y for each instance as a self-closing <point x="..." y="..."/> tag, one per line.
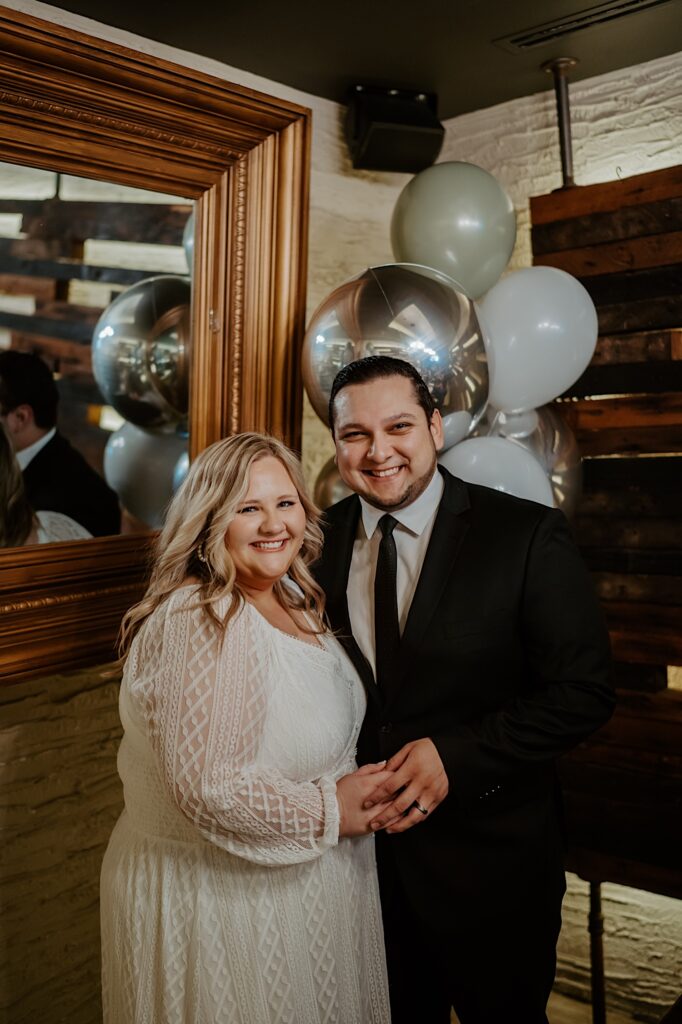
<point x="226" y="894"/>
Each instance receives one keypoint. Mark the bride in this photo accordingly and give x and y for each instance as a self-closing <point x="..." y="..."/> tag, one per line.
<point x="239" y="885"/>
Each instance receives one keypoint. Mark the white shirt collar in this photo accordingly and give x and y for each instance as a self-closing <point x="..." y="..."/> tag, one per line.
<point x="26" y="454"/>
<point x="414" y="517"/>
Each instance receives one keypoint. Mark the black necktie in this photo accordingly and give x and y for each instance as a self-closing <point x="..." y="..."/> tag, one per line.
<point x="386" y="622"/>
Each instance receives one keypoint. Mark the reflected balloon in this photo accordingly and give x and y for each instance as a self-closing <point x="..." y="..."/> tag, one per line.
<point x="140" y="467"/>
<point x="181" y="470"/>
<point x="547" y="436"/>
<point x="500" y="464"/>
<point x="457" y="218"/>
<point x="140" y="352"/>
<point x="329" y="487"/>
<point x="411" y="313"/>
<point x="540" y="332"/>
<point x="188" y="243"/>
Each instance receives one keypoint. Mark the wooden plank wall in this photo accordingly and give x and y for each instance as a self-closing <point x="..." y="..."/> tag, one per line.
<point x="623" y="241"/>
<point x="46" y="263"/>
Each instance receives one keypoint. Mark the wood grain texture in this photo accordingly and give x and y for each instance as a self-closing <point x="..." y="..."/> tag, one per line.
<point x="617" y="257"/>
<point x="613" y="225"/>
<point x="243" y="156"/>
<point x="610" y="195"/>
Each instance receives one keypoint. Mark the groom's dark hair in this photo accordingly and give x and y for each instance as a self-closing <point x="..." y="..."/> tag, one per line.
<point x="377" y="368"/>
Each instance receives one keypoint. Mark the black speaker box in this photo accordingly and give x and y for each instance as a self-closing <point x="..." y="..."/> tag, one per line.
<point x="392" y="129"/>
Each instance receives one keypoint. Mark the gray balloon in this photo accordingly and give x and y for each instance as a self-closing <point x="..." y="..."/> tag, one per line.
<point x="140" y="467"/>
<point x="457" y="218"/>
<point x="411" y="313"/>
<point x="329" y="487"/>
<point x="140" y="352"/>
<point x="546" y="435"/>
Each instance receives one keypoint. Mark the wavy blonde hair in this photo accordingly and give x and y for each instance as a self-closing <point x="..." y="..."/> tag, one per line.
<point x="17" y="518"/>
<point x="192" y="545"/>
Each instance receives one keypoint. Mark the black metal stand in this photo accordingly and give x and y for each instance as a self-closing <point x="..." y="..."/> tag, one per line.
<point x="596" y="930"/>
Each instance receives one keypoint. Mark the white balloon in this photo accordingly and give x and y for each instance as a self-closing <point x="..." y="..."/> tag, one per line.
<point x="456" y="426"/>
<point x="540" y="330"/>
<point x="139" y="466"/>
<point x="457" y="218"/>
<point x="500" y="464"/>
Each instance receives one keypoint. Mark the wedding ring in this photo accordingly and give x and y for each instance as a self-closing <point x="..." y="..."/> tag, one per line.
<point x="419" y="807"/>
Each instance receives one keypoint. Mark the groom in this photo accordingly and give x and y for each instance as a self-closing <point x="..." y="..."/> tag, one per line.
<point x="471" y="619"/>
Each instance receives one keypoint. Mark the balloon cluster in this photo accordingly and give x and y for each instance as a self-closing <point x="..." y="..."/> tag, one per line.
<point x="491" y="365"/>
<point x="140" y="360"/>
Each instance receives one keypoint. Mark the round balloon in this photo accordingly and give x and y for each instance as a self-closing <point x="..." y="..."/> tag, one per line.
<point x="547" y="436"/>
<point x="140" y="352"/>
<point x="411" y="313"/>
<point x="188" y="242"/>
<point x="457" y="218"/>
<point x="329" y="487"/>
<point x="540" y="333"/>
<point x="140" y="467"/>
<point x="500" y="464"/>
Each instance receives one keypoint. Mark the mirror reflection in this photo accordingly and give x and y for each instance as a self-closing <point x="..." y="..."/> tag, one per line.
<point x="95" y="291"/>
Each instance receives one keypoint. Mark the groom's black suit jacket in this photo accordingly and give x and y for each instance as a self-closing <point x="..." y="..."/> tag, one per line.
<point x="504" y="662"/>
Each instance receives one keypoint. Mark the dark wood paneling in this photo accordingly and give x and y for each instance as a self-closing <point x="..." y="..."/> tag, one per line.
<point x="623" y="788"/>
<point x="70" y="221"/>
<point x="615" y="225"/>
<point x="611" y="195"/>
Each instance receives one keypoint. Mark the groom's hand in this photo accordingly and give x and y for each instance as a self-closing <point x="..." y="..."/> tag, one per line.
<point x="418" y="785"/>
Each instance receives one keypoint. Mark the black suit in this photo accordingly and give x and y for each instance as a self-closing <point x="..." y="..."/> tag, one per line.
<point x="504" y="661"/>
<point x="58" y="479"/>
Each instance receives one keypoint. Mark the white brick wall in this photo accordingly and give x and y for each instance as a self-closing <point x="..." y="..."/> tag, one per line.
<point x="624" y="123"/>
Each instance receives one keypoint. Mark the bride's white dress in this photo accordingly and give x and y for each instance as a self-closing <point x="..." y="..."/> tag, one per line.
<point x="226" y="893"/>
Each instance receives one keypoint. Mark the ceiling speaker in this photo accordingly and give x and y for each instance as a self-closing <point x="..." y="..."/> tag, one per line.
<point x="393" y="129"/>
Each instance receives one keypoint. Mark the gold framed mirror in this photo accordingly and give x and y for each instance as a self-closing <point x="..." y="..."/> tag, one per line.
<point x="73" y="104"/>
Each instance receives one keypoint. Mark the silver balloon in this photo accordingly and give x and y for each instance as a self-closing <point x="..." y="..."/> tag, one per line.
<point x="545" y="434"/>
<point x="329" y="487"/>
<point x="140" y="352"/>
<point x="188" y="242"/>
<point x="411" y="313"/>
<point x="140" y="467"/>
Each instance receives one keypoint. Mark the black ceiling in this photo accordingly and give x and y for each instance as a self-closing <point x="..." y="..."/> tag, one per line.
<point x="450" y="47"/>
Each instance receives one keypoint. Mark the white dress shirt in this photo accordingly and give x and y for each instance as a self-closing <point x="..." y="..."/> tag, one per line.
<point x="26" y="454"/>
<point x="412" y="536"/>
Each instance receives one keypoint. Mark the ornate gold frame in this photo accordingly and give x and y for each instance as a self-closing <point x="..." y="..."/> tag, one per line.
<point x="83" y="106"/>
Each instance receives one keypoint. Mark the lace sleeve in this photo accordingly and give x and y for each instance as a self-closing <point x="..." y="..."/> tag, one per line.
<point x="205" y="704"/>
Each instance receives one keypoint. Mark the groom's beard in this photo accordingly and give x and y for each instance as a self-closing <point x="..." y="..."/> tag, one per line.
<point x="410" y="494"/>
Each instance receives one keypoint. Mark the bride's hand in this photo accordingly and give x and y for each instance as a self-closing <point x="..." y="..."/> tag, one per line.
<point x="351" y="792"/>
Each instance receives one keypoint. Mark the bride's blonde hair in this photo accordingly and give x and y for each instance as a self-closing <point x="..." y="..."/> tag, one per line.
<point x="192" y="545"/>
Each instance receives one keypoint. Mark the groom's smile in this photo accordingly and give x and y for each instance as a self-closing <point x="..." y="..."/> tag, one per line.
<point x="385" y="445"/>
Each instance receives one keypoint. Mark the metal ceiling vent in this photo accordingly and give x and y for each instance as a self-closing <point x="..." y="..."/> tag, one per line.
<point x="550" y="31"/>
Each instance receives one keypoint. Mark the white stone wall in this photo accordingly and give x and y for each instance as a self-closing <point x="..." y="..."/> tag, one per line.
<point x="624" y="123"/>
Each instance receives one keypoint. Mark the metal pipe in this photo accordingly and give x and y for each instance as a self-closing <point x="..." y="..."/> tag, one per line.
<point x="596" y="930"/>
<point x="559" y="69"/>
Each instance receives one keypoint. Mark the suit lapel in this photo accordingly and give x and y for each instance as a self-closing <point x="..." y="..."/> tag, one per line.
<point x="449" y="529"/>
<point x="339" y="540"/>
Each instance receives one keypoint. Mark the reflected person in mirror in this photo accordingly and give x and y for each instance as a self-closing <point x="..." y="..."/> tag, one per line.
<point x="19" y="524"/>
<point x="239" y="884"/>
<point x="57" y="477"/>
<point x="472" y="620"/>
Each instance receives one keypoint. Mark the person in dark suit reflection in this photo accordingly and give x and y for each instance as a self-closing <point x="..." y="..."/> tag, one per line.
<point x="472" y="620"/>
<point x="57" y="478"/>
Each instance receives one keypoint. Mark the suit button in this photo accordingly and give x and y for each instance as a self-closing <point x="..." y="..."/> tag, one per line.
<point x="386" y="727"/>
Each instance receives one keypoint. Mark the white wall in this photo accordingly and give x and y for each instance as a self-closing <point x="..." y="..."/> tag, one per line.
<point x="624" y="123"/>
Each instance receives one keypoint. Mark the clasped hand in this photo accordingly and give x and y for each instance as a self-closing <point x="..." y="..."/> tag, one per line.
<point x="393" y="796"/>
